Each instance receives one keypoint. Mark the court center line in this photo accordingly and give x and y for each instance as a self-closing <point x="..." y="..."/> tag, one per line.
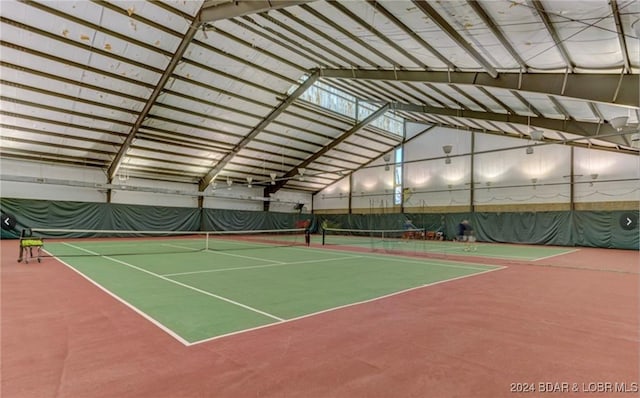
<point x="261" y="266"/>
<point x="179" y="283"/>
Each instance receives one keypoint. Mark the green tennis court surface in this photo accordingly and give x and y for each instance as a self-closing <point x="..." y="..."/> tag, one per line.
<point x="197" y="294"/>
<point x="481" y="249"/>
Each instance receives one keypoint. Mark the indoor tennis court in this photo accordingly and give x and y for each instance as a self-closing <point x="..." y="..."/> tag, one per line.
<point x="319" y="198"/>
<point x="197" y="294"/>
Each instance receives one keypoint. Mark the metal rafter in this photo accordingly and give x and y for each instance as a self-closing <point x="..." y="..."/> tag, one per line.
<point x="498" y="33"/>
<point x="283" y="41"/>
<point x="615" y="11"/>
<point x="560" y="108"/>
<point x="215" y="11"/>
<point x="497" y="100"/>
<point x="379" y="35"/>
<point x="348" y="34"/>
<point x="606" y="88"/>
<point x="554" y="34"/>
<point x="526" y="103"/>
<point x="177" y="56"/>
<point x="206" y="180"/>
<point x="380" y="8"/>
<point x="586" y="129"/>
<point x="456" y="37"/>
<point x="293" y="172"/>
<point x="329" y="39"/>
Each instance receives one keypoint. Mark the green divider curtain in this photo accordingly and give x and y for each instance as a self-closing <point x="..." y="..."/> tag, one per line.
<point x="579" y="228"/>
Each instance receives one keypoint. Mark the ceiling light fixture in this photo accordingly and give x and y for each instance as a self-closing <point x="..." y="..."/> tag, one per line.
<point x="537" y="135"/>
<point x="618" y="122"/>
<point x="447" y="150"/>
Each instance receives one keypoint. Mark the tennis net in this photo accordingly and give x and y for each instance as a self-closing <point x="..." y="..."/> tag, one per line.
<point x="78" y="242"/>
<point x="344" y="236"/>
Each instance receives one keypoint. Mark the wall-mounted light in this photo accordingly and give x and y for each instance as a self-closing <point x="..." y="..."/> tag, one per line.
<point x="447" y="150"/>
<point x="387" y="159"/>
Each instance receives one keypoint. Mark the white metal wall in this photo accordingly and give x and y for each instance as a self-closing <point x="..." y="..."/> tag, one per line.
<point x="503" y="173"/>
<point x="40" y="177"/>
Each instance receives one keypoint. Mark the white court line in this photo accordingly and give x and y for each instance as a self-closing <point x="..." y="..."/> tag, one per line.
<point x="227" y="254"/>
<point x="186" y="343"/>
<point x="261" y="266"/>
<point x="126" y="303"/>
<point x="345" y="306"/>
<point x="179" y="283"/>
<point x="556" y="255"/>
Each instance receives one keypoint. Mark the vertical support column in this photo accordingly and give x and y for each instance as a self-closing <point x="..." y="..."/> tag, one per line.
<point x="109" y="190"/>
<point x="472" y="185"/>
<point x="402" y="181"/>
<point x="572" y="202"/>
<point x="350" y="209"/>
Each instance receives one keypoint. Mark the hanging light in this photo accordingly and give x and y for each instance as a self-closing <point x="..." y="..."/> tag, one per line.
<point x="229" y="182"/>
<point x="618" y="122"/>
<point x="529" y="150"/>
<point x="537" y="135"/>
<point x="249" y="180"/>
<point x="301" y="171"/>
<point x="447" y="150"/>
<point x="273" y="178"/>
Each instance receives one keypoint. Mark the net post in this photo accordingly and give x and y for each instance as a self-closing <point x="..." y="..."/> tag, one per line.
<point x="324" y="233"/>
<point x="206" y="241"/>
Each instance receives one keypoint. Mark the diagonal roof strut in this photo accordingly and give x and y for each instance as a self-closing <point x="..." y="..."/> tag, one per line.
<point x="293" y="172"/>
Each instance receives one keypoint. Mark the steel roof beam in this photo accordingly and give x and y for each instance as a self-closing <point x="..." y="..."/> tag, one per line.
<point x="293" y="172"/>
<point x="206" y="180"/>
<point x="586" y="129"/>
<point x="215" y="10"/>
<point x="455" y="36"/>
<point x="615" y="11"/>
<point x="410" y="32"/>
<point x="590" y="87"/>
<point x="554" y="34"/>
<point x="497" y="33"/>
<point x="177" y="56"/>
